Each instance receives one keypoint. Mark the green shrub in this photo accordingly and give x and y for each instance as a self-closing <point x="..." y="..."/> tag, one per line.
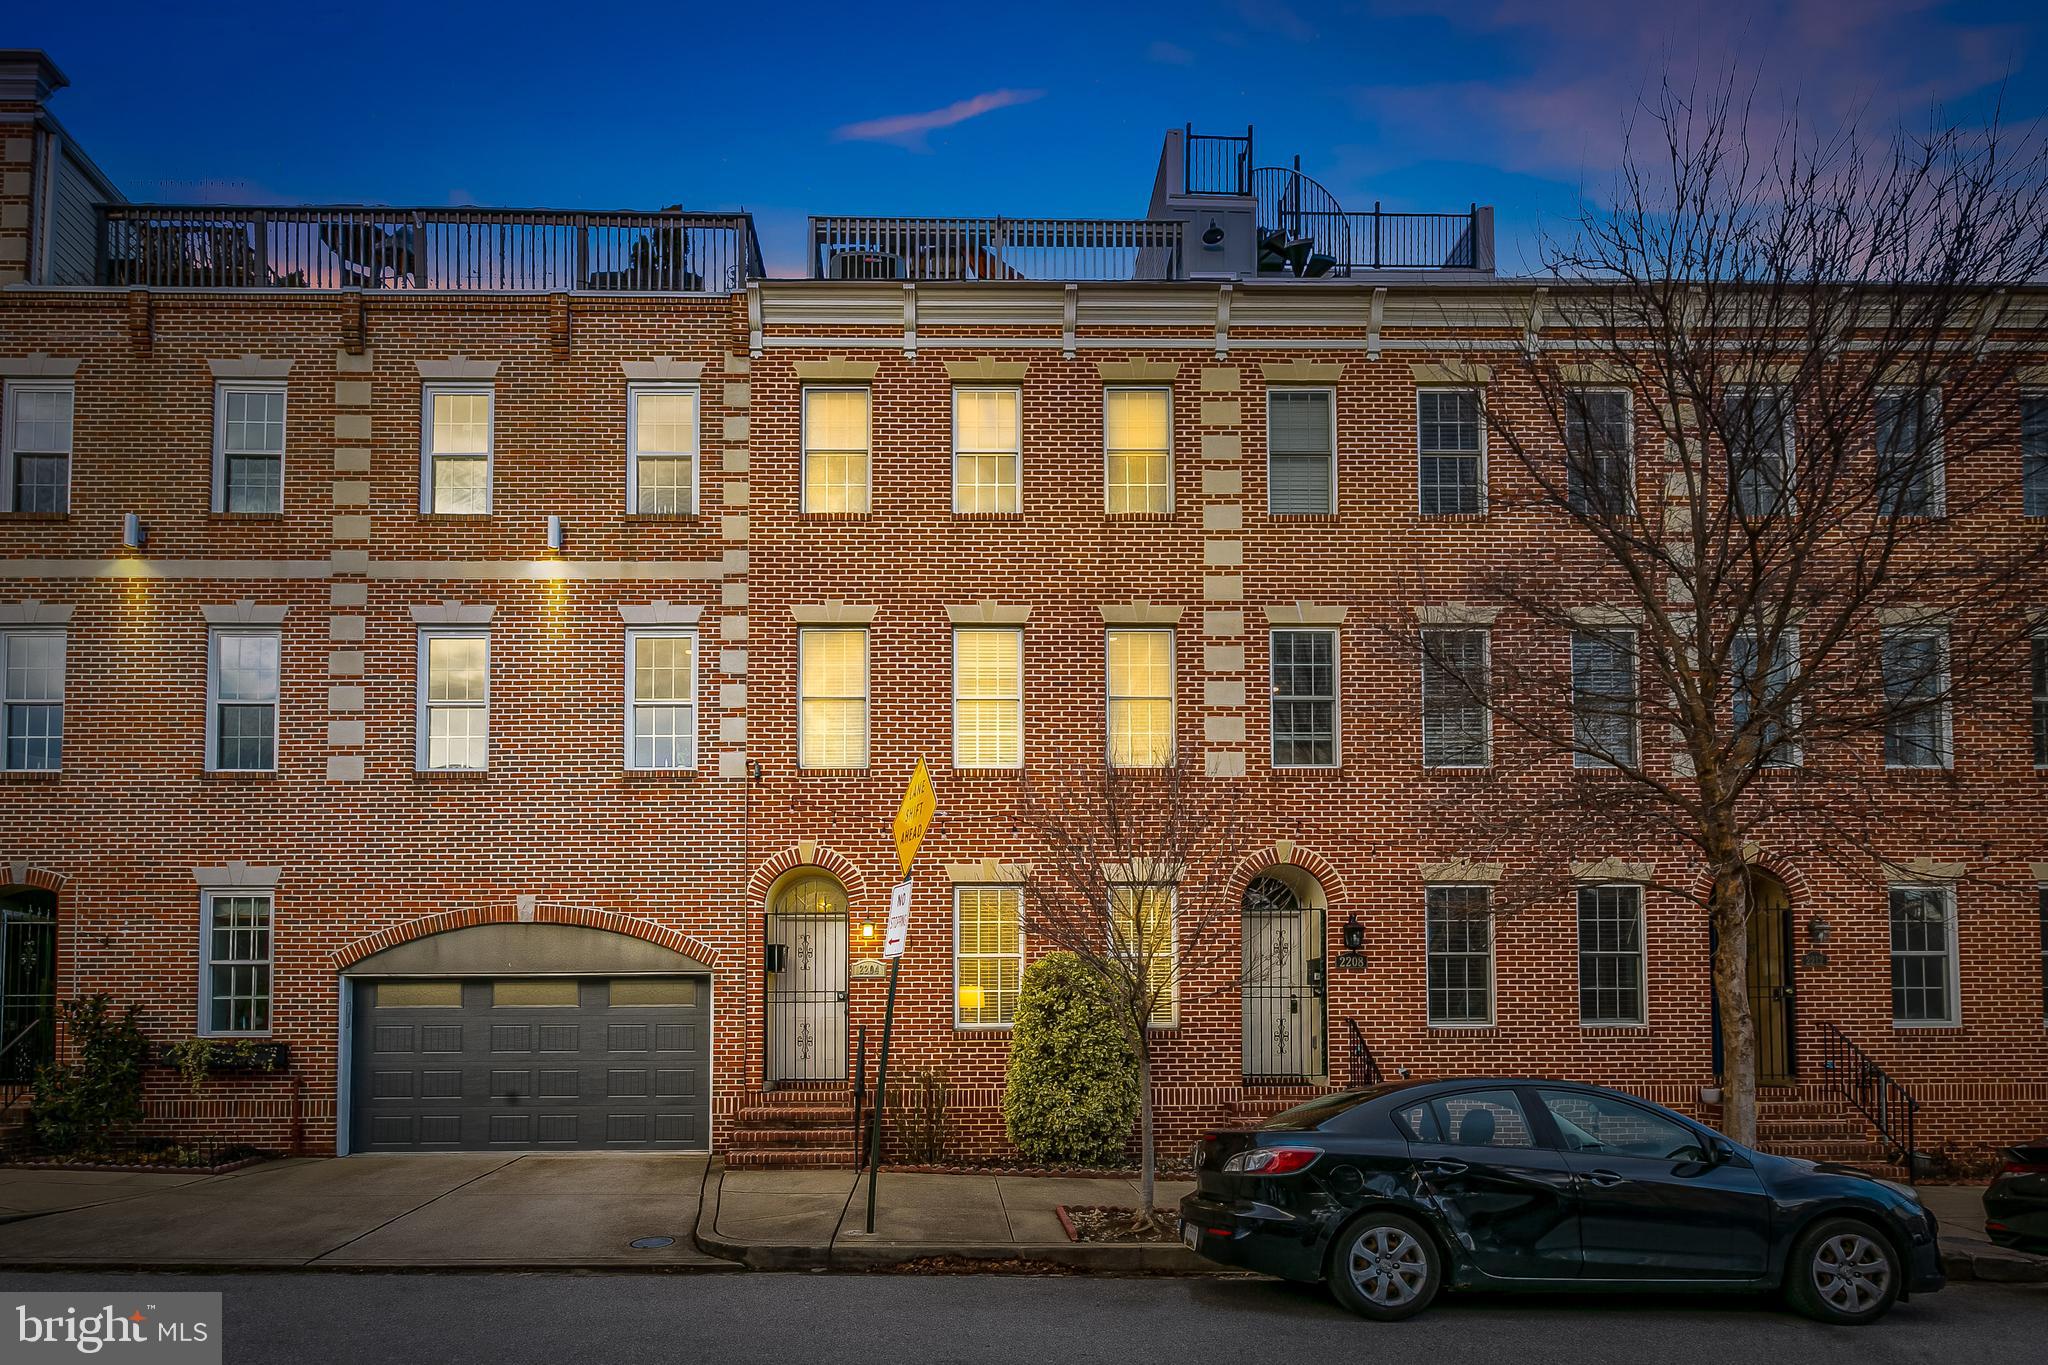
<point x="87" y="1104"/>
<point x="1072" y="1096"/>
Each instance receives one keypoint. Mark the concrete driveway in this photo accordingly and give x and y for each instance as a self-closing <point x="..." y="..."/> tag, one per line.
<point x="441" y="1210"/>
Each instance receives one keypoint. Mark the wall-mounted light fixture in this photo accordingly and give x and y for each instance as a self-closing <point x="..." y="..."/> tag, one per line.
<point x="134" y="534"/>
<point x="555" y="534"/>
<point x="1354" y="934"/>
<point x="1212" y="237"/>
<point x="1819" y="930"/>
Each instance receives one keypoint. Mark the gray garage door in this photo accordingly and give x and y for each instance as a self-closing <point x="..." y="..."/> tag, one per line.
<point x="531" y="1064"/>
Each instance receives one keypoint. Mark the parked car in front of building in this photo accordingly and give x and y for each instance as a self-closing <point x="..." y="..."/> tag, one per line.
<point x="2016" y="1201"/>
<point x="1394" y="1193"/>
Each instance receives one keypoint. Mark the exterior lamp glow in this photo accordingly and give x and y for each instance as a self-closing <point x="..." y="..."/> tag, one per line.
<point x="867" y="928"/>
<point x="555" y="534"/>
<point x="134" y="534"/>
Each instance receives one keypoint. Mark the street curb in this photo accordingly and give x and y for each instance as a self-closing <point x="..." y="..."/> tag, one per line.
<point x="1995" y="1266"/>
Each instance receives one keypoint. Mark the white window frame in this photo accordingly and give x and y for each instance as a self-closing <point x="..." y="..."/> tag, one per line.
<point x="1931" y="413"/>
<point x="1166" y="389"/>
<point x="1795" y="755"/>
<point x="1109" y="697"/>
<point x="1628" y="421"/>
<point x="1788" y="430"/>
<point x="214" y="636"/>
<point x="1336" y="698"/>
<point x="207" y="962"/>
<point x="1642" y="1019"/>
<point x="1944" y="711"/>
<point x="1017" y="633"/>
<point x="867" y="697"/>
<point x="1478" y="392"/>
<point x="1331" y="390"/>
<point x="695" y="394"/>
<point x="1113" y="935"/>
<point x="1000" y="1025"/>
<point x="1492" y="960"/>
<point x="2037" y="644"/>
<point x="1017" y="454"/>
<point x="7" y="638"/>
<point x="427" y="393"/>
<point x="221" y="390"/>
<point x="803" y="472"/>
<point x="635" y="634"/>
<point x="422" y="707"/>
<point x="1422" y="689"/>
<point x="10" y="399"/>
<point x="1953" y="952"/>
<point x="1584" y="760"/>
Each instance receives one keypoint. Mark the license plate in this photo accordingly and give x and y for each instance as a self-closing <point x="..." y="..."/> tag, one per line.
<point x="1191" y="1234"/>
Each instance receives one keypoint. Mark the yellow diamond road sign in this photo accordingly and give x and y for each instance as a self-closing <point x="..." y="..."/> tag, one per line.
<point x="914" y="816"/>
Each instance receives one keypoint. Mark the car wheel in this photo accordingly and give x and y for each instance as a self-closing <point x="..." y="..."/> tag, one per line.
<point x="1843" y="1271"/>
<point x="1385" y="1267"/>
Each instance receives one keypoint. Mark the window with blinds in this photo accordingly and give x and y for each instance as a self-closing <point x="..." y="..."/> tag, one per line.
<point x="1603" y="699"/>
<point x="832" y="668"/>
<point x="1916" y="730"/>
<point x="986" y="444"/>
<point x="1142" y="935"/>
<point x="988" y="697"/>
<point x="1137" y="429"/>
<point x="2034" y="455"/>
<point x="1761" y="690"/>
<point x="836" y="450"/>
<point x="1140" y="668"/>
<point x="988" y="955"/>
<point x="1909" y="473"/>
<point x="1301" y="452"/>
<point x="1598" y="444"/>
<point x="1457" y="730"/>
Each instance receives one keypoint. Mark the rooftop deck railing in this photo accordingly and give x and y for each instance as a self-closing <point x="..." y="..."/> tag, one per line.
<point x="1216" y="163"/>
<point x="247" y="247"/>
<point x="995" y="249"/>
<point x="1361" y="242"/>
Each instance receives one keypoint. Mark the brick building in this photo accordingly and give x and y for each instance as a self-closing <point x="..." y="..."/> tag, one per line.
<point x="482" y="652"/>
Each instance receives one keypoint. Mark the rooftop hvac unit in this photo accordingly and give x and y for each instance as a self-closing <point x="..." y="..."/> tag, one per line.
<point x="865" y="265"/>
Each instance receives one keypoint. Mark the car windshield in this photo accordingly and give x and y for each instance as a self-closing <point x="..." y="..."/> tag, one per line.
<point x="1322" y="1109"/>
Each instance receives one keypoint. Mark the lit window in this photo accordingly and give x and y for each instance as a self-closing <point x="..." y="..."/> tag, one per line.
<point x="661" y="434"/>
<point x="988" y="954"/>
<point x="455" y="700"/>
<point x="248" y="451"/>
<point x="1923" y="955"/>
<point x="241" y="708"/>
<point x="32" y="665"/>
<point x="1301" y="452"/>
<point x="836" y="450"/>
<point x="1137" y="430"/>
<point x="1610" y="955"/>
<point x="1916" y="728"/>
<point x="1459" y="925"/>
<point x="457" y="450"/>
<point x="1763" y="690"/>
<point x="988" y="697"/>
<point x="1142" y="936"/>
<point x="833" y="702"/>
<point x="1598" y="445"/>
<point x="1457" y="726"/>
<point x="1604" y="699"/>
<point x="1304" y="698"/>
<point x="986" y="441"/>
<point x="661" y="699"/>
<point x="1756" y="427"/>
<point x="1140" y="698"/>
<point x="38" y="447"/>
<point x="1452" y="452"/>
<point x="235" y="956"/>
<point x="1909" y="472"/>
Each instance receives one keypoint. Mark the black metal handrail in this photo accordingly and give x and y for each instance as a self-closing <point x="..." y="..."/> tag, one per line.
<point x="12" y="1090"/>
<point x="1216" y="164"/>
<point x="1365" y="1068"/>
<point x="860" y="1098"/>
<point x="1855" y="1076"/>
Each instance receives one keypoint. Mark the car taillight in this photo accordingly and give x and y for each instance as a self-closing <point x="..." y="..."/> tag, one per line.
<point x="1273" y="1160"/>
<point x="2024" y="1168"/>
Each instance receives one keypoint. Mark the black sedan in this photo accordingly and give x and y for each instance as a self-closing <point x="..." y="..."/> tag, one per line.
<point x="2016" y="1204"/>
<point x="1393" y="1193"/>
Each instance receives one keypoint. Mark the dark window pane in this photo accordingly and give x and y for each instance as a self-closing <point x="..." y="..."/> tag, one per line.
<point x="1454" y="685"/>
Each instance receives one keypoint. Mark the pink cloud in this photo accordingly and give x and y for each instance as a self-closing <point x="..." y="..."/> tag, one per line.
<point x="908" y="130"/>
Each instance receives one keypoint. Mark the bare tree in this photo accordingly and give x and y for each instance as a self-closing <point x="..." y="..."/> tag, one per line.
<point x="1131" y="872"/>
<point x="1767" y="397"/>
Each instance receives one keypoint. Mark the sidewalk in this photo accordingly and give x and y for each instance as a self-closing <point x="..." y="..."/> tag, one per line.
<point x="1965" y="1251"/>
<point x="816" y="1220"/>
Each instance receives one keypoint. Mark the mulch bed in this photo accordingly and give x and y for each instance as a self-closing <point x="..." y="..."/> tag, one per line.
<point x="1164" y="1172"/>
<point x="968" y="1265"/>
<point x="147" y="1162"/>
<point x="1115" y="1223"/>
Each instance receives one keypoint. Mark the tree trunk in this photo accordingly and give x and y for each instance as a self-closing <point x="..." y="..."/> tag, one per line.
<point x="1145" y="1161"/>
<point x="1729" y="911"/>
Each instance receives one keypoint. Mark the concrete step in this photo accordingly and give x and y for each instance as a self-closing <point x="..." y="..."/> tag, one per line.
<point x="751" y="1138"/>
<point x="788" y="1158"/>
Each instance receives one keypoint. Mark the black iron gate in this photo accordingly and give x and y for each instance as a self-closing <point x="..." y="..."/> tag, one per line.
<point x="28" y="984"/>
<point x="806" y="976"/>
<point x="1285" y="1024"/>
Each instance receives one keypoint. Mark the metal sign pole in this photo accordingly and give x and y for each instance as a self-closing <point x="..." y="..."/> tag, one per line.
<point x="881" y="1090"/>
<point x="913" y="818"/>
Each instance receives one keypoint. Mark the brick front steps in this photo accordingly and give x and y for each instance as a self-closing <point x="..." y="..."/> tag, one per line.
<point x="793" y="1129"/>
<point x="1818" y="1130"/>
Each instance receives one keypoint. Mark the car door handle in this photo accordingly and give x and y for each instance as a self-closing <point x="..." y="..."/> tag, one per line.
<point x="1448" y="1167"/>
<point x="1606" y="1179"/>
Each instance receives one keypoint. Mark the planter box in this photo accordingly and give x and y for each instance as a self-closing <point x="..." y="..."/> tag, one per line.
<point x="247" y="1059"/>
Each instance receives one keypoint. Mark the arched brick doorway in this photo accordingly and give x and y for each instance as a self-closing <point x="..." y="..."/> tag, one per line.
<point x="28" y="982"/>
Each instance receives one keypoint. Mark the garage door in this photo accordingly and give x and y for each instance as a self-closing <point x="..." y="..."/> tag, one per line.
<point x="531" y="1064"/>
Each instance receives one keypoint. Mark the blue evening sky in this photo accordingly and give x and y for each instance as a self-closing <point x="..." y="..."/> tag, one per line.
<point x="1054" y="109"/>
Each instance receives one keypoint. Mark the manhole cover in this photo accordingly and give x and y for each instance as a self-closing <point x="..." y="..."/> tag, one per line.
<point x="651" y="1243"/>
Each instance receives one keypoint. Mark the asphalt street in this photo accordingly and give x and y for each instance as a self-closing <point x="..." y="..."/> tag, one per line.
<point x="557" y="1319"/>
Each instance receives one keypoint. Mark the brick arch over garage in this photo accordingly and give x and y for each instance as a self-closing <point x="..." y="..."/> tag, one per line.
<point x="610" y="921"/>
<point x="806" y="855"/>
<point x="21" y="875"/>
<point x="1284" y="853"/>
